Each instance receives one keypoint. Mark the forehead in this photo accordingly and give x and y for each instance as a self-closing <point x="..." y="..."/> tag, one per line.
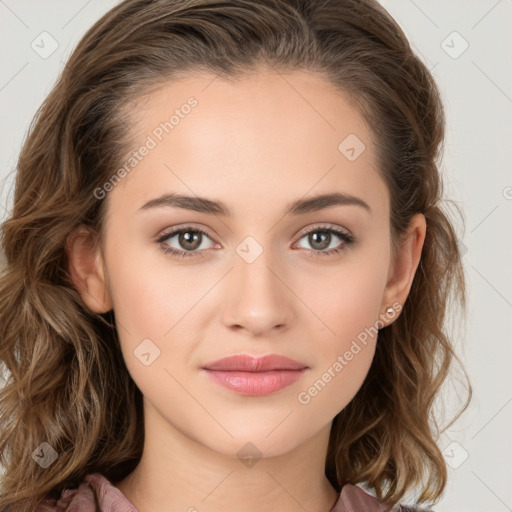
<point x="265" y="103"/>
<point x="260" y="134"/>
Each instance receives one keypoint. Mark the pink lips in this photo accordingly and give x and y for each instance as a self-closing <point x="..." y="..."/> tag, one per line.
<point x="255" y="376"/>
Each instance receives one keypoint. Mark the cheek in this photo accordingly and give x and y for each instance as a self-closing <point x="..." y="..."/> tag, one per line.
<point x="348" y="305"/>
<point x="331" y="387"/>
<point x="150" y="295"/>
<point x="343" y="356"/>
<point x="151" y="305"/>
<point x="349" y="299"/>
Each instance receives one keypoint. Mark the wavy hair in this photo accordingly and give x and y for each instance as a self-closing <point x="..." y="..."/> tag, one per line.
<point x="66" y="383"/>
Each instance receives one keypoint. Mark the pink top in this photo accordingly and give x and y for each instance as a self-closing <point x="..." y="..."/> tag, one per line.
<point x="97" y="494"/>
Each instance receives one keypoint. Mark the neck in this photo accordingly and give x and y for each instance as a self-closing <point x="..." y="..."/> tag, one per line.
<point x="177" y="473"/>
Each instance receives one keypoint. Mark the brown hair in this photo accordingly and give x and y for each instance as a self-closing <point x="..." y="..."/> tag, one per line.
<point x="59" y="355"/>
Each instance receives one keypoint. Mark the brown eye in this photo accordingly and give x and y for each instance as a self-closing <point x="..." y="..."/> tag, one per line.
<point x="188" y="241"/>
<point x="320" y="238"/>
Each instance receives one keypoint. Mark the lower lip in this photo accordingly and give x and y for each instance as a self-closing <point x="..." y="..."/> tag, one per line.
<point x="256" y="383"/>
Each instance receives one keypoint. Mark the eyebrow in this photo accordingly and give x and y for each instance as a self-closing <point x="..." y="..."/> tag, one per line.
<point x="298" y="207"/>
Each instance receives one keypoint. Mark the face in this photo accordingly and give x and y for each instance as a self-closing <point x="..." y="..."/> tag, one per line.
<point x="266" y="272"/>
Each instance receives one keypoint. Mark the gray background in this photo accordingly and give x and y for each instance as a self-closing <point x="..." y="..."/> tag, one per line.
<point x="477" y="90"/>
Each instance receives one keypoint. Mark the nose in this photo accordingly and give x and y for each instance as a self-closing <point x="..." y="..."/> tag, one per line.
<point x="257" y="297"/>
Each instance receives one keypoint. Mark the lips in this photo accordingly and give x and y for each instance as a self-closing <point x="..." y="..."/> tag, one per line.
<point x="251" y="376"/>
<point x="247" y="363"/>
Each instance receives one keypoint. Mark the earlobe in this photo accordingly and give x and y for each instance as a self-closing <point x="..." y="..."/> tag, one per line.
<point x="86" y="269"/>
<point x="405" y="264"/>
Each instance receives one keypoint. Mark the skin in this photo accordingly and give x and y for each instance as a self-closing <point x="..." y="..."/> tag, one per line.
<point x="256" y="144"/>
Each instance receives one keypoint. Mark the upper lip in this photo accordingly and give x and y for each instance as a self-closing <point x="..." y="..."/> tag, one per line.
<point x="243" y="362"/>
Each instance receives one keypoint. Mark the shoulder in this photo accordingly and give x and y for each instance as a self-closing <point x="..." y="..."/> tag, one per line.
<point x="95" y="494"/>
<point x="355" y="499"/>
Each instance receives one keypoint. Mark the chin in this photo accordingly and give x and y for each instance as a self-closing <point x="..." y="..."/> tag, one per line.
<point x="254" y="443"/>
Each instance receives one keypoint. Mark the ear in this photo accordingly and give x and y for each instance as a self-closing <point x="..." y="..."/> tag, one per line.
<point x="86" y="268"/>
<point x="403" y="267"/>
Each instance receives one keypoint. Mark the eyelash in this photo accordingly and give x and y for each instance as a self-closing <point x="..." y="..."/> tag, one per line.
<point x="347" y="238"/>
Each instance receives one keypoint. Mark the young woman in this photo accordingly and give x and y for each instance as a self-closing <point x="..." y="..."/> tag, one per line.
<point x="228" y="267"/>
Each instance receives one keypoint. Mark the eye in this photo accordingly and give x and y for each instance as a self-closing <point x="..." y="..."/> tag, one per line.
<point x="189" y="238"/>
<point x="321" y="237"/>
<point x="190" y="241"/>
